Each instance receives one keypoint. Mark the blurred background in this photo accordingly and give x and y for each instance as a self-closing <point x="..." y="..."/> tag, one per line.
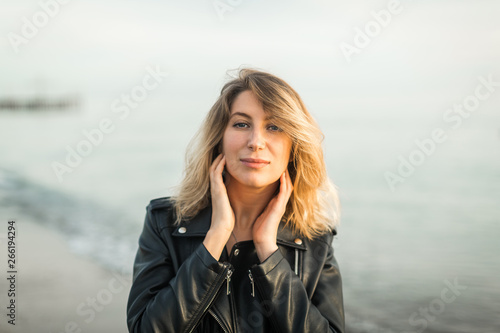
<point x="99" y="99"/>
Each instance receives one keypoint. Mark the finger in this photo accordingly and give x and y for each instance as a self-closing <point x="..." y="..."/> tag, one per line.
<point x="215" y="162"/>
<point x="283" y="187"/>
<point x="286" y="187"/>
<point x="216" y="179"/>
<point x="214" y="173"/>
<point x="220" y="166"/>
<point x="283" y="183"/>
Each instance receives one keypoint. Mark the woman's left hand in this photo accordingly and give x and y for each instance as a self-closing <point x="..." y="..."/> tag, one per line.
<point x="265" y="228"/>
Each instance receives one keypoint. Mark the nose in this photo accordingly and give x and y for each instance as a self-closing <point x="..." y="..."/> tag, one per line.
<point x="256" y="140"/>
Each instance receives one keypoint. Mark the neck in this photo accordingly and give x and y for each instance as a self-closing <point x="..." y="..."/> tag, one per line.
<point x="248" y="202"/>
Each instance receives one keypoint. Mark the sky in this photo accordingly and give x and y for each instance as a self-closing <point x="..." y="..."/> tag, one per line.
<point x="418" y="59"/>
<point x="95" y="45"/>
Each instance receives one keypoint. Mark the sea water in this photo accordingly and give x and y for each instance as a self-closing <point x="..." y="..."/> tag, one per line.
<point x="419" y="255"/>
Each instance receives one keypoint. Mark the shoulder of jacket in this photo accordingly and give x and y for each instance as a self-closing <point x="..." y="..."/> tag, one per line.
<point x="163" y="209"/>
<point x="327" y="237"/>
<point x="159" y="203"/>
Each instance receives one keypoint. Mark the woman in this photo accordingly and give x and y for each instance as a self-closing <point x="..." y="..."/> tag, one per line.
<point x="245" y="245"/>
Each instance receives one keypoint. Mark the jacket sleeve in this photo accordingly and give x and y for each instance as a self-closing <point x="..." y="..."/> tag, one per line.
<point x="162" y="300"/>
<point x="290" y="307"/>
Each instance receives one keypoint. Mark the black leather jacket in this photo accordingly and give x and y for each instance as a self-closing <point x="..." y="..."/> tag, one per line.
<point x="179" y="287"/>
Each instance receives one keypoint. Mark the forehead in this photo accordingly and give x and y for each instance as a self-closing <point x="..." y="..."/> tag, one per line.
<point x="246" y="104"/>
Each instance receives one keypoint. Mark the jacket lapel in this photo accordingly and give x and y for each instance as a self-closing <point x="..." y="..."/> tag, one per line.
<point x="196" y="227"/>
<point x="287" y="237"/>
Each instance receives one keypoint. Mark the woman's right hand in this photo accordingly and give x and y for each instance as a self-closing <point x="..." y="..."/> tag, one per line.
<point x="222" y="223"/>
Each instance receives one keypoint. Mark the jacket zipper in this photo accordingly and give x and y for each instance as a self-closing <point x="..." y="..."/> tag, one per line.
<point x="252" y="283"/>
<point x="226" y="276"/>
<point x="217" y="319"/>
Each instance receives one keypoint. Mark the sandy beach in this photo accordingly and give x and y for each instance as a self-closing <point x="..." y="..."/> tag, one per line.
<point x="56" y="290"/>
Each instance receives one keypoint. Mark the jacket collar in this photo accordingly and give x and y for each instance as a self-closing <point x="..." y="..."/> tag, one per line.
<point x="199" y="225"/>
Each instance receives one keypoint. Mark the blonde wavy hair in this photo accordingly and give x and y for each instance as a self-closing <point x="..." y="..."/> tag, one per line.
<point x="314" y="206"/>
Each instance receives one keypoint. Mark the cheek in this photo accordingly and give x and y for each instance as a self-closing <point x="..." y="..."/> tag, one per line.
<point x="286" y="152"/>
<point x="225" y="142"/>
<point x="230" y="151"/>
<point x="227" y="147"/>
<point x="232" y="143"/>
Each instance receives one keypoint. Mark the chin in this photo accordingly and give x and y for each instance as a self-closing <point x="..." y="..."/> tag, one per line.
<point x="256" y="182"/>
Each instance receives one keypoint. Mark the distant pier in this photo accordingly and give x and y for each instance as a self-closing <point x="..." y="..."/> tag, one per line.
<point x="39" y="103"/>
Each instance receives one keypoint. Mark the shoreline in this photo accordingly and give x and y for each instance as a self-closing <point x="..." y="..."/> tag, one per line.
<point x="57" y="290"/>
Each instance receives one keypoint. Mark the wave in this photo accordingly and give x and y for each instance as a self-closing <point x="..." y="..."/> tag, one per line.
<point x="90" y="228"/>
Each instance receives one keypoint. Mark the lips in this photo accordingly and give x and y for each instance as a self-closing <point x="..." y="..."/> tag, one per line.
<point x="254" y="163"/>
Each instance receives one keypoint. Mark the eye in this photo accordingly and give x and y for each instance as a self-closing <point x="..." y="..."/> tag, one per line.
<point x="240" y="125"/>
<point x="274" y="128"/>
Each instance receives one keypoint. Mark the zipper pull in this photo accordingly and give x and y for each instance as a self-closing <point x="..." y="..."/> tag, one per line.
<point x="251" y="282"/>
<point x="228" y="278"/>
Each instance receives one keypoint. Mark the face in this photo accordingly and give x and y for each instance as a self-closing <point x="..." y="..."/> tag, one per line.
<point x="257" y="151"/>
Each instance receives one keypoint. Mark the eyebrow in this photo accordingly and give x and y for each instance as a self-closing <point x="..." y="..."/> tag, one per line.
<point x="239" y="114"/>
<point x="246" y="115"/>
